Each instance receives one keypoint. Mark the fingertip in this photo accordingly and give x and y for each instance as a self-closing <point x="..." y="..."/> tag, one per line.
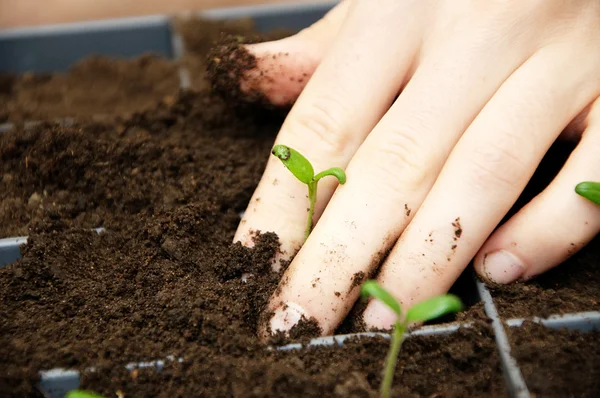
<point x="378" y="316"/>
<point x="270" y="73"/>
<point x="500" y="266"/>
<point x="283" y="68"/>
<point x="288" y="318"/>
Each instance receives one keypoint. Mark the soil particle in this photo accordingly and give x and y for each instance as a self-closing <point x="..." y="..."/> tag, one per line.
<point x="239" y="260"/>
<point x="406" y="210"/>
<point x="228" y="64"/>
<point x="457" y="229"/>
<point x="200" y="36"/>
<point x="305" y="330"/>
<point x="557" y="363"/>
<point x="233" y="70"/>
<point x="357" y="280"/>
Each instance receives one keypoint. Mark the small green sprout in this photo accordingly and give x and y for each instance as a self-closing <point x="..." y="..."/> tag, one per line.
<point x="301" y="168"/>
<point x="589" y="190"/>
<point x="82" y="394"/>
<point x="422" y="312"/>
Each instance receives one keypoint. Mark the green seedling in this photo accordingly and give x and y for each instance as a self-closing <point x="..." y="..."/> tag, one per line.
<point x="82" y="394"/>
<point x="422" y="312"/>
<point x="303" y="170"/>
<point x="589" y="190"/>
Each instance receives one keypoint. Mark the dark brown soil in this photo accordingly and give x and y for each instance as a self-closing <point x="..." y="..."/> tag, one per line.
<point x="95" y="86"/>
<point x="100" y="174"/>
<point x="168" y="185"/>
<point x="464" y="364"/>
<point x="558" y="363"/>
<point x="228" y="64"/>
<point x="573" y="286"/>
<point x="199" y="38"/>
<point x="164" y="280"/>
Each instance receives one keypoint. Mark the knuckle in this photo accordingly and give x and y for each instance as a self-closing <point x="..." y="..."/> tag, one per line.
<point x="497" y="163"/>
<point x="322" y="120"/>
<point x="405" y="157"/>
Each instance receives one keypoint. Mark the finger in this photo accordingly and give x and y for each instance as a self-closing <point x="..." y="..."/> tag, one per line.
<point x="577" y="126"/>
<point x="283" y="67"/>
<point x="389" y="177"/>
<point x="483" y="177"/>
<point x="554" y="225"/>
<point x="332" y="118"/>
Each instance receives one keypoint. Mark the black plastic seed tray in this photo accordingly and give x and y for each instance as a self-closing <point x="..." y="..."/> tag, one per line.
<point x="55" y="48"/>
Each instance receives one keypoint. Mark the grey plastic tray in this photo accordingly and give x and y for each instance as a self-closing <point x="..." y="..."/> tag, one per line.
<point x="55" y="48"/>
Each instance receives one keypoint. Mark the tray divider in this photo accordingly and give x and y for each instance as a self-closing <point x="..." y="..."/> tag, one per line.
<point x="178" y="45"/>
<point x="515" y="381"/>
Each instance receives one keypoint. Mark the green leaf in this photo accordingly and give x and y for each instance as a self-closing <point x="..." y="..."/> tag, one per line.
<point x="434" y="308"/>
<point x="589" y="190"/>
<point x="374" y="289"/>
<point x="82" y="394"/>
<point x="335" y="172"/>
<point x="295" y="162"/>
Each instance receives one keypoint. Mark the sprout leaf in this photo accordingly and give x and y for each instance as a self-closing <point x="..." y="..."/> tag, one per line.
<point x="589" y="190"/>
<point x="434" y="308"/>
<point x="295" y="162"/>
<point x="374" y="289"/>
<point x="82" y="394"/>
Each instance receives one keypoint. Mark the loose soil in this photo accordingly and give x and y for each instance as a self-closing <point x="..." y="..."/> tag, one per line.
<point x="573" y="286"/>
<point x="199" y="39"/>
<point x="100" y="174"/>
<point x="463" y="364"/>
<point x="95" y="86"/>
<point x="557" y="363"/>
<point x="168" y="185"/>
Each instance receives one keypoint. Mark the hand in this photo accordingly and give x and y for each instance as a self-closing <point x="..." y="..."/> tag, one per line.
<point x="483" y="89"/>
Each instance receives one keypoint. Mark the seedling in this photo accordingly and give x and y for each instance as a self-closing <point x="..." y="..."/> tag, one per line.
<point x="589" y="190"/>
<point x="82" y="394"/>
<point x="303" y="170"/>
<point x="422" y="312"/>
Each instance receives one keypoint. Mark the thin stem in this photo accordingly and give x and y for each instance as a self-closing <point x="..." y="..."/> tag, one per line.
<point x="312" y="199"/>
<point x="392" y="358"/>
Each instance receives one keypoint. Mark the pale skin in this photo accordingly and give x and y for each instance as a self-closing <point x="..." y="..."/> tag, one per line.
<point x="483" y="89"/>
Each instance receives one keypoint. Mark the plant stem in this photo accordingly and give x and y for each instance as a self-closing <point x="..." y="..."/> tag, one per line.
<point x="312" y="199"/>
<point x="392" y="358"/>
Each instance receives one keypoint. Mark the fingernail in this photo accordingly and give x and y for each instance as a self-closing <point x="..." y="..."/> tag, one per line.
<point x="286" y="316"/>
<point x="379" y="316"/>
<point x="502" y="267"/>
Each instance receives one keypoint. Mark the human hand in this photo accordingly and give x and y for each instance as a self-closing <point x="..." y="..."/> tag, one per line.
<point x="484" y="89"/>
